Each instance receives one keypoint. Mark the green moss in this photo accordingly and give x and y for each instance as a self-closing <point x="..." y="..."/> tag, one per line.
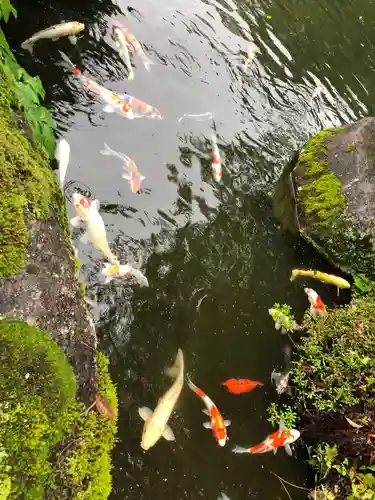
<point x="320" y="194"/>
<point x="37" y="391"/>
<point x="28" y="187"/>
<point x="86" y="471"/>
<point x="314" y="153"/>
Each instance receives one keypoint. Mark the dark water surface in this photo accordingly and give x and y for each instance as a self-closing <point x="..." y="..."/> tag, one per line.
<point x="215" y="257"/>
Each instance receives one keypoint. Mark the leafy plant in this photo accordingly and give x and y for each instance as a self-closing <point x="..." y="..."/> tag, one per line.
<point x="28" y="91"/>
<point x="323" y="460"/>
<point x="363" y="284"/>
<point x="283" y="413"/>
<point x="283" y="318"/>
<point x="363" y="485"/>
<point x="6" y="9"/>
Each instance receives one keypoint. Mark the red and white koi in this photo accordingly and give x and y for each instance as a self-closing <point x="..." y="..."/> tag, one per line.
<point x="132" y="174"/>
<point x="134" y="44"/>
<point x="113" y="103"/>
<point x="217" y="424"/>
<point x="216" y="166"/>
<point x="283" y="437"/>
<point x="317" y="306"/>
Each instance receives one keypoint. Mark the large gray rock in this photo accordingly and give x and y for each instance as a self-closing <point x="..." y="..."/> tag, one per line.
<point x="327" y="194"/>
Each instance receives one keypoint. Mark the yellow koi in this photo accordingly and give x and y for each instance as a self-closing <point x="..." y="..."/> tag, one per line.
<point x="331" y="279"/>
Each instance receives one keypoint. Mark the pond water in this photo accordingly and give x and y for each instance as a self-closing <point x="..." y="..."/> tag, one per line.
<point x="215" y="257"/>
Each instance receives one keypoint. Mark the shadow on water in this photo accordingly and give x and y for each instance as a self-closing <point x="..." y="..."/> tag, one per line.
<point x="215" y="257"/>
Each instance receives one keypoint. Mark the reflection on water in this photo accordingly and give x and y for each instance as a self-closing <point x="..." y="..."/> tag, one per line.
<point x="271" y="74"/>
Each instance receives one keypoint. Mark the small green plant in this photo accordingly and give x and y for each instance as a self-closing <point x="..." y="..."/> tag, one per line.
<point x="284" y="413"/>
<point x="363" y="285"/>
<point x="324" y="459"/>
<point x="363" y="485"/>
<point x="283" y="318"/>
<point x="6" y="9"/>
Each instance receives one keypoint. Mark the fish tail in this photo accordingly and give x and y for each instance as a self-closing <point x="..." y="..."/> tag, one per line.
<point x="28" y="46"/>
<point x="107" y="151"/>
<point x="192" y="386"/>
<point x="174" y="370"/>
<point x="240" y="449"/>
<point x="66" y="62"/>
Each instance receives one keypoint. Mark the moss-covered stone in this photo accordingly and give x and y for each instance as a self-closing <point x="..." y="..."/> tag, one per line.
<point x="37" y="393"/>
<point x="328" y="196"/>
<point x="28" y="187"/>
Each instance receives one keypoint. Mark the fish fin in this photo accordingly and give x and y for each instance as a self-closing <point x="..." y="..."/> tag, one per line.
<point x="207" y="425"/>
<point x="288" y="449"/>
<point x="76" y="221"/>
<point x="206" y="412"/>
<point x="274" y="451"/>
<point x="85" y="238"/>
<point x="96" y="204"/>
<point x="240" y="449"/>
<point x="131" y="75"/>
<point x="145" y="413"/>
<point x="275" y="377"/>
<point x="126" y="176"/>
<point x="108" y="279"/>
<point x="168" y="434"/>
<point x="142" y="178"/>
<point x="72" y="39"/>
<point x="28" y="46"/>
<point x="174" y="370"/>
<point x="147" y="63"/>
<point x="108" y="108"/>
<point x="227" y="423"/>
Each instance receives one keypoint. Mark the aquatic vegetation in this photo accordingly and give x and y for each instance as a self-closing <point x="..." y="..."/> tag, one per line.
<point x="282" y="413"/>
<point x="283" y="318"/>
<point x="324" y="458"/>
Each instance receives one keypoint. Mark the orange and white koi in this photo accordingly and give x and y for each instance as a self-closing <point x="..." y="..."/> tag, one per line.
<point x="113" y="103"/>
<point x="317" y="306"/>
<point x="134" y="44"/>
<point x="283" y="437"/>
<point x="216" y="166"/>
<point x="132" y="174"/>
<point x="217" y="424"/>
<point x="140" y="109"/>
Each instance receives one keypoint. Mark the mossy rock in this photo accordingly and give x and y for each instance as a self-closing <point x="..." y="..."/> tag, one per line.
<point x="37" y="392"/>
<point x="328" y="195"/>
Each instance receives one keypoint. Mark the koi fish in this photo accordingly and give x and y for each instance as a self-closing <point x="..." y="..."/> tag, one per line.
<point x="281" y="381"/>
<point x="282" y="437"/>
<point x="216" y="166"/>
<point x="121" y="44"/>
<point x="132" y="173"/>
<point x="156" y="422"/>
<point x="135" y="45"/>
<point x="317" y="306"/>
<point x="88" y="212"/>
<point x="54" y="33"/>
<point x="119" y="271"/>
<point x="223" y="496"/>
<point x="217" y="424"/>
<point x="62" y="154"/>
<point x="112" y="101"/>
<point x="239" y="386"/>
<point x="139" y="109"/>
<point x="331" y="279"/>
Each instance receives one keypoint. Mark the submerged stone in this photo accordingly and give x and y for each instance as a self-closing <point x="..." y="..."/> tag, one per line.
<point x="327" y="195"/>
